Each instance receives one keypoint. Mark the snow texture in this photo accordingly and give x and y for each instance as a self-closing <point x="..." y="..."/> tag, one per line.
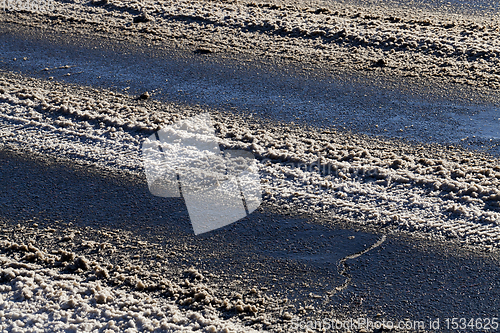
<point x="435" y="191"/>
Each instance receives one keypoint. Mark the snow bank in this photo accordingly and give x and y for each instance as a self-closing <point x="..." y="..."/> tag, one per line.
<point x="44" y="292"/>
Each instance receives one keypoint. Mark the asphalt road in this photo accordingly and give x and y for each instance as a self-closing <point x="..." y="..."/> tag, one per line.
<point x="298" y="258"/>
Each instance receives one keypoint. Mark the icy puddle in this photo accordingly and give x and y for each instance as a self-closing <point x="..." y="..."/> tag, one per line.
<point x="438" y="191"/>
<point x="401" y="223"/>
<point x="297" y="256"/>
